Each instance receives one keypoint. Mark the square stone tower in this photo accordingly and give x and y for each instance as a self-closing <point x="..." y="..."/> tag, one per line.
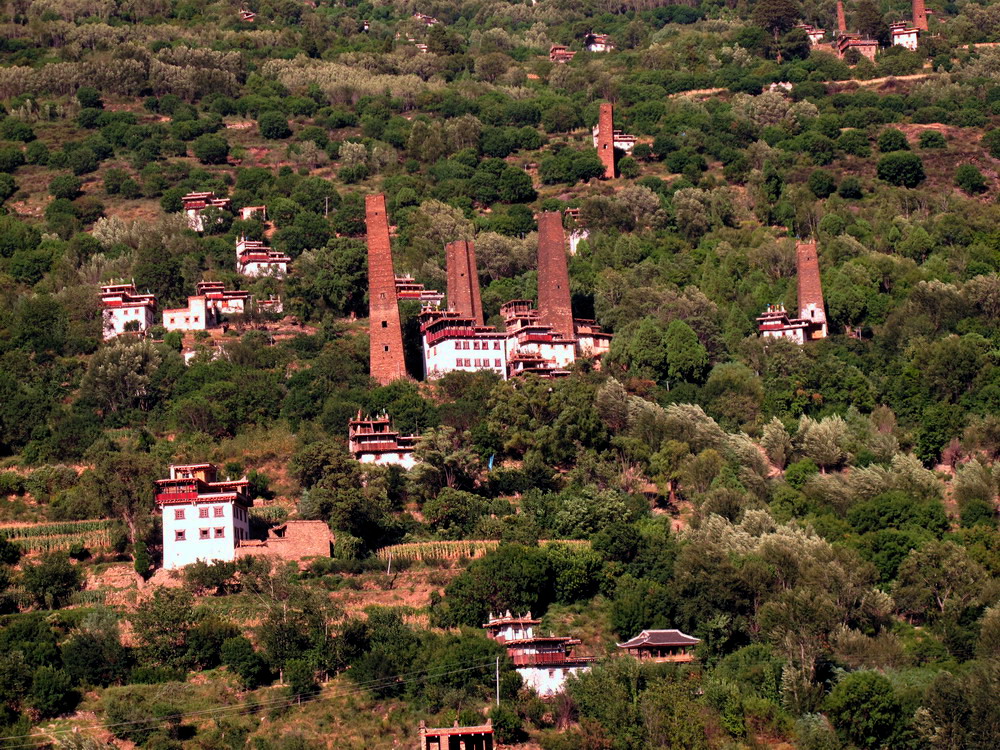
<point x="606" y="140"/>
<point x="554" y="305"/>
<point x="386" y="334"/>
<point x="463" y="280"/>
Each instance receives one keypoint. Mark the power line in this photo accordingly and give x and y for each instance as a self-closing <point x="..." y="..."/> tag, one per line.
<point x="404" y="678"/>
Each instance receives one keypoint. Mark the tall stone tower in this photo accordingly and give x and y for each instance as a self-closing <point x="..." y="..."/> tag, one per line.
<point x="606" y="140"/>
<point x="463" y="280"/>
<point x="919" y="15"/>
<point x="554" y="305"/>
<point x="841" y="19"/>
<point x="810" y="288"/>
<point x="387" y="363"/>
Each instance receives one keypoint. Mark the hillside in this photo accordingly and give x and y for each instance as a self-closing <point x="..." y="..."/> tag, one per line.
<point x="729" y="479"/>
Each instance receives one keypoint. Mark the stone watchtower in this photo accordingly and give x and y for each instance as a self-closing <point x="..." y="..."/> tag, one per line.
<point x="606" y="140"/>
<point x="463" y="280"/>
<point x="554" y="305"/>
<point x="920" y="15"/>
<point x="387" y="362"/>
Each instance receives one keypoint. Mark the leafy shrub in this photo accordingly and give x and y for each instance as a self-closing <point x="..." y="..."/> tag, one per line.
<point x="65" y="186"/>
<point x="970" y="180"/>
<point x="822" y="183"/>
<point x="891" y="139"/>
<point x="273" y="125"/>
<point x="211" y="149"/>
<point x="901" y="168"/>
<point x="932" y="139"/>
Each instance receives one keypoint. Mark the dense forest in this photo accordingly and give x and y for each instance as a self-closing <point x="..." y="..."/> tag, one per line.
<point x="822" y="517"/>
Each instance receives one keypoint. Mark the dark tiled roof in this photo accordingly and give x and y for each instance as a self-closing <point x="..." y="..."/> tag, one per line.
<point x="660" y="638"/>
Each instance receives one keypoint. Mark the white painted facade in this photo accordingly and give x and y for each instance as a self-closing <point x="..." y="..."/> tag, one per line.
<point x="575" y="238"/>
<point x="908" y="38"/>
<point x="202" y="519"/>
<point x="115" y="319"/>
<point x="121" y="304"/>
<point x="205" y="529"/>
<point x="197" y="316"/>
<point x="254" y="259"/>
<point x="548" y="681"/>
<point x="403" y="459"/>
<point x="466" y="354"/>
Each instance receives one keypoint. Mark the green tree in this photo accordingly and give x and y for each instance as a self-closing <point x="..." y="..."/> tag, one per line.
<point x="970" y="180"/>
<point x="865" y="711"/>
<point x="515" y="186"/>
<point x="454" y="513"/>
<point x="52" y="692"/>
<point x="822" y="183"/>
<point x="65" y="186"/>
<point x="273" y="125"/>
<point x="775" y="16"/>
<point x="121" y="376"/>
<point x="687" y="358"/>
<point x="446" y="460"/>
<point x="938" y="580"/>
<point x="991" y="142"/>
<point x="161" y="627"/>
<point x="892" y="139"/>
<point x="51" y="580"/>
<point x="210" y="149"/>
<point x="901" y="168"/>
<point x="672" y="716"/>
<point x="123" y="480"/>
<point x="239" y="655"/>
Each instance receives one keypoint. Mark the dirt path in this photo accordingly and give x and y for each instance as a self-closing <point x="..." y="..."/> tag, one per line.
<point x="870" y="82"/>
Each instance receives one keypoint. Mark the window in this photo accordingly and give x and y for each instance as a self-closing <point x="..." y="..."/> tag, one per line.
<point x="178" y="515"/>
<point x="496" y="344"/>
<point x="218" y="511"/>
<point x="385" y="324"/>
<point x="202" y="512"/>
<point x="195" y="318"/>
<point x="220" y="532"/>
<point x="385" y="348"/>
<point x="465" y="345"/>
<point x="203" y="533"/>
<point x="496" y="363"/>
<point x="178" y="536"/>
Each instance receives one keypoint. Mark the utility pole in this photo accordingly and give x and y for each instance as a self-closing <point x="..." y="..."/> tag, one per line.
<point x="498" y="680"/>
<point x="388" y="568"/>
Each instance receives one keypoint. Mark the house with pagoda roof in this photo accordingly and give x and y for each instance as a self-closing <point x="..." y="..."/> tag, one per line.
<point x="661" y="646"/>
<point x="544" y="662"/>
<point x="374" y="440"/>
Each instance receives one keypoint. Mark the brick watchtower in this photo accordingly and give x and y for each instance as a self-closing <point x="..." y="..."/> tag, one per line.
<point x="463" y="280"/>
<point x="386" y="334"/>
<point x="554" y="305"/>
<point x="841" y="18"/>
<point x="606" y="140"/>
<point x="919" y="15"/>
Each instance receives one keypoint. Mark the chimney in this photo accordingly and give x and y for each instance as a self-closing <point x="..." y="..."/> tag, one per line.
<point x="606" y="140"/>
<point x="810" y="288"/>
<point x="919" y="15"/>
<point x="386" y="332"/>
<point x="554" y="305"/>
<point x="841" y="20"/>
<point x="463" y="280"/>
